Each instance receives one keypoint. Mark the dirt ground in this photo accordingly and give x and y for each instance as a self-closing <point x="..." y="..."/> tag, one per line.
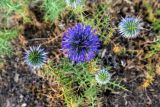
<point x="20" y="87"/>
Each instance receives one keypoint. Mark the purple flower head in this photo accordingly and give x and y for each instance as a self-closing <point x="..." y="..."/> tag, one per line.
<point x="80" y="43"/>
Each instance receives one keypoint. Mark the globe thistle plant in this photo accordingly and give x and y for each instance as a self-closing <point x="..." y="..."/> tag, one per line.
<point x="74" y="3"/>
<point x="80" y="43"/>
<point x="35" y="57"/>
<point x="103" y="76"/>
<point x="130" y="27"/>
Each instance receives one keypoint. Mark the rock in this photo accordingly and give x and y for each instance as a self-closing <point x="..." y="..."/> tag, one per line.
<point x="24" y="105"/>
<point x="35" y="3"/>
<point x="9" y="21"/>
<point x="16" y="77"/>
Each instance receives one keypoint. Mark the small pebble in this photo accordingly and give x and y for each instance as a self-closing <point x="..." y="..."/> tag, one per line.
<point x="24" y="105"/>
<point x="16" y="77"/>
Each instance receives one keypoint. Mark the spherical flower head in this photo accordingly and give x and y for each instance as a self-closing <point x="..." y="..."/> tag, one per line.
<point x="35" y="57"/>
<point x="102" y="76"/>
<point x="130" y="27"/>
<point x="74" y="3"/>
<point x="80" y="43"/>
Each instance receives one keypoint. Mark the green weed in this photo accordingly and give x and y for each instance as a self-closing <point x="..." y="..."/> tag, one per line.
<point x="79" y="85"/>
<point x="154" y="49"/>
<point x="5" y="47"/>
<point x="5" y="37"/>
<point x="8" y="35"/>
<point x="152" y="16"/>
<point x="9" y="6"/>
<point x="52" y="9"/>
<point x="156" y="23"/>
<point x="15" y="7"/>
